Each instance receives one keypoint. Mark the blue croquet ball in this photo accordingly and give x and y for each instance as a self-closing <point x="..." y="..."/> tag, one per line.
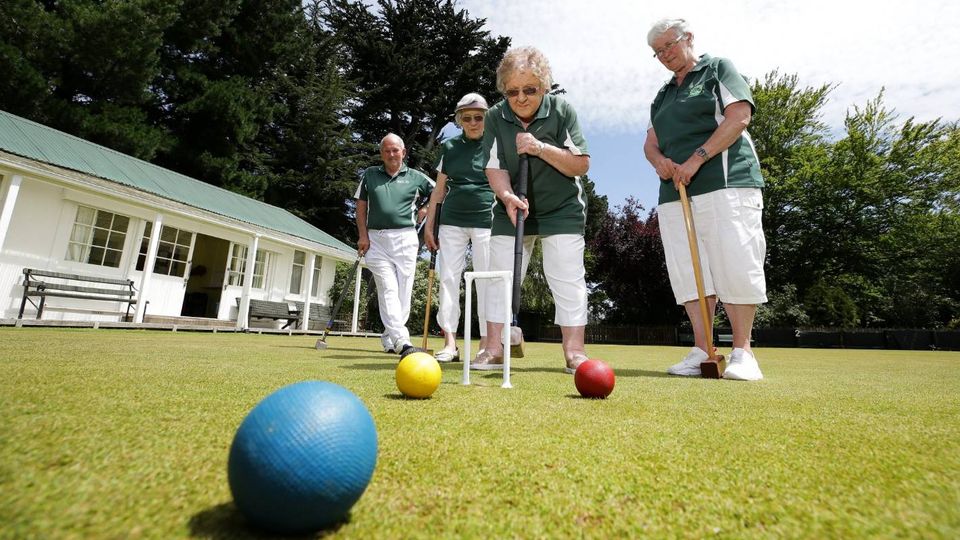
<point x="302" y="458"/>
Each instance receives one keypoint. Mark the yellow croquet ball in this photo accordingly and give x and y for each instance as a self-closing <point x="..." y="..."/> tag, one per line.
<point x="418" y="375"/>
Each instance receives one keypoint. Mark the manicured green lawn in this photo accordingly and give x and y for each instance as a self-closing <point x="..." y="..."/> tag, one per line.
<point x="122" y="433"/>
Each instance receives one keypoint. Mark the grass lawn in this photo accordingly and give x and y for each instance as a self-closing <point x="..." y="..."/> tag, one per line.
<point x="124" y="434"/>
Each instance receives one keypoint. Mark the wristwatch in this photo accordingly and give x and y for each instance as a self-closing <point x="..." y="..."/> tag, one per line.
<point x="702" y="152"/>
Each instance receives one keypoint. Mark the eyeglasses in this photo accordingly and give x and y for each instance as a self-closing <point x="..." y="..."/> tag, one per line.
<point x="527" y="91"/>
<point x="666" y="48"/>
<point x="465" y="119"/>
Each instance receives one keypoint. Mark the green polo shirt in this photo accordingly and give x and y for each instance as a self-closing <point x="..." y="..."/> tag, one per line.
<point x="392" y="201"/>
<point x="685" y="116"/>
<point x="469" y="198"/>
<point x="557" y="202"/>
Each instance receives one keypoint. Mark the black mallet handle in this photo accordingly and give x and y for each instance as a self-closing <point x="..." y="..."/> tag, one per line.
<point x="521" y="191"/>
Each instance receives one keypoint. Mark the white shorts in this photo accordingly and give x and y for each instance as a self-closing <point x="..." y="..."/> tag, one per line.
<point x="451" y="261"/>
<point x="562" y="265"/>
<point x="731" y="245"/>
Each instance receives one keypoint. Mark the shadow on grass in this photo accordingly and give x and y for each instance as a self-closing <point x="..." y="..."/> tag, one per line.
<point x="400" y="397"/>
<point x="225" y="522"/>
<point x="328" y="348"/>
<point x="559" y="370"/>
<point x="387" y="364"/>
<point x="578" y="396"/>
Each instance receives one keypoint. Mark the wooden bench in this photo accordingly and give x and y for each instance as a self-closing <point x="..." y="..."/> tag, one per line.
<point x="321" y="314"/>
<point x="277" y="311"/>
<point x="291" y="311"/>
<point x="43" y="284"/>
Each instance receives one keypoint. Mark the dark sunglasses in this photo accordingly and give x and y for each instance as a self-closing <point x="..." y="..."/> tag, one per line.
<point x="466" y="119"/>
<point x="527" y="91"/>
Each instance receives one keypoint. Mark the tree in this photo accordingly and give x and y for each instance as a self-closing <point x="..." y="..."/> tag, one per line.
<point x="85" y="67"/>
<point x="852" y="219"/>
<point x="629" y="268"/>
<point x="411" y="60"/>
<point x="243" y="94"/>
<point x="314" y="158"/>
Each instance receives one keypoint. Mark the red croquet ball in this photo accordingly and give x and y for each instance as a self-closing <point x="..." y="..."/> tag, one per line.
<point x="594" y="379"/>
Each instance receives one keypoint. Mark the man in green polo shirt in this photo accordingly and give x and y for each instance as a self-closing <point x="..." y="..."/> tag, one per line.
<point x="387" y="214"/>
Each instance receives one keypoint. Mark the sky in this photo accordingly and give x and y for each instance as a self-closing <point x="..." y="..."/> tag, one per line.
<point x="599" y="54"/>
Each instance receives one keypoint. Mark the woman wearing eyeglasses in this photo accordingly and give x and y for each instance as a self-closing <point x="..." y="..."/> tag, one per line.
<point x="465" y="219"/>
<point x="544" y="127"/>
<point x="697" y="137"/>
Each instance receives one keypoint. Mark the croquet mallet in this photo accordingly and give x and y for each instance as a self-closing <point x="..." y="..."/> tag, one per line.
<point x="322" y="342"/>
<point x="516" y="334"/>
<point x="714" y="366"/>
<point x="433" y="266"/>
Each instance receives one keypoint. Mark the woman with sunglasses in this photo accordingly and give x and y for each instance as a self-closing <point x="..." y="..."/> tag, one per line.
<point x="465" y="219"/>
<point x="698" y="138"/>
<point x="543" y="126"/>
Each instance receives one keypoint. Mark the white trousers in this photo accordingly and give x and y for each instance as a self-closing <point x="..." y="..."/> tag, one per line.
<point x="392" y="258"/>
<point x="452" y="259"/>
<point x="562" y="265"/>
<point x="731" y="244"/>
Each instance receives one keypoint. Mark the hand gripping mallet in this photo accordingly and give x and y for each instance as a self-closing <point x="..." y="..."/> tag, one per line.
<point x="715" y="365"/>
<point x="433" y="266"/>
<point x="322" y="342"/>
<point x="516" y="349"/>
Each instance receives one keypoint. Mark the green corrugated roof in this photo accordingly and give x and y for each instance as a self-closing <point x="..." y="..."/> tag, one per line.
<point x="41" y="143"/>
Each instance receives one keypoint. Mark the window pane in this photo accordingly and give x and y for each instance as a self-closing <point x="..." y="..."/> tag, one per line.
<point x="100" y="237"/>
<point x="299" y="257"/>
<point x="165" y="249"/>
<point x="168" y="234"/>
<point x="112" y="258"/>
<point x="147" y="229"/>
<point x="184" y="238"/>
<point x="296" y="278"/>
<point x="257" y="282"/>
<point x="74" y="252"/>
<point x="315" y="285"/>
<point x="120" y="223"/>
<point x="177" y="269"/>
<point x="180" y="253"/>
<point x="104" y="219"/>
<point x="86" y="215"/>
<point x="96" y="256"/>
<point x="115" y="241"/>
<point x="81" y="234"/>
<point x="141" y="260"/>
<point x="162" y="266"/>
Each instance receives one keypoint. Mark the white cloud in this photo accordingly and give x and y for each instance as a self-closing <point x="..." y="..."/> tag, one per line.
<point x="599" y="54"/>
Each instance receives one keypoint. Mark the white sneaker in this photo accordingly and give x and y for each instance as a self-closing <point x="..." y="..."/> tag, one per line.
<point x="387" y="343"/>
<point x="743" y="366"/>
<point x="690" y="365"/>
<point x="447" y="355"/>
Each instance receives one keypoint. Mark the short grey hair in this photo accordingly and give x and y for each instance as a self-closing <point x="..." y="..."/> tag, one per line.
<point x="393" y="135"/>
<point x="664" y="25"/>
<point x="524" y="59"/>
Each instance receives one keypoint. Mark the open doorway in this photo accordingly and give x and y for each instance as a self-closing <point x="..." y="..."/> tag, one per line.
<point x="205" y="283"/>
